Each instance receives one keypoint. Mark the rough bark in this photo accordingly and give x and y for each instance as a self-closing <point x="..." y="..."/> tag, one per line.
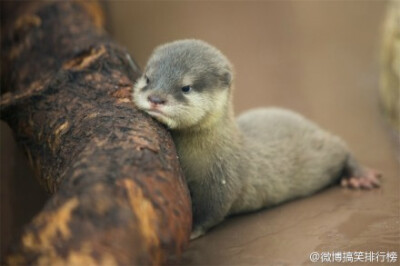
<point x="119" y="195"/>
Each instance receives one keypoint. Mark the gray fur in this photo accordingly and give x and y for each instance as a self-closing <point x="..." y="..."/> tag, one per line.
<point x="170" y="62"/>
<point x="268" y="156"/>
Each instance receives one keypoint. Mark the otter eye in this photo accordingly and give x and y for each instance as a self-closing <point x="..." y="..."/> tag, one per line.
<point x="186" y="89"/>
<point x="147" y="79"/>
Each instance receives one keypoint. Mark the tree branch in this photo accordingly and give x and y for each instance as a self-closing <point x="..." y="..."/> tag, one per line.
<point x="119" y="194"/>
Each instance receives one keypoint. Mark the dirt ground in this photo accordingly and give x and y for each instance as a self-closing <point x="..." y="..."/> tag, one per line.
<point x="320" y="58"/>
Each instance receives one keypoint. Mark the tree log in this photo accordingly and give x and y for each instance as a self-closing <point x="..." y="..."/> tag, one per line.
<point x="119" y="197"/>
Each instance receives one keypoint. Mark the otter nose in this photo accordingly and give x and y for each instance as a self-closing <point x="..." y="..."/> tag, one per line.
<point x="156" y="99"/>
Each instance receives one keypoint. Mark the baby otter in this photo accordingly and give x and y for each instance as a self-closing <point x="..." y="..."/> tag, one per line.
<point x="265" y="157"/>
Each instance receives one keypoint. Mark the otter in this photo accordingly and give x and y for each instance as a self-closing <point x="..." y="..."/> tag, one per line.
<point x="263" y="158"/>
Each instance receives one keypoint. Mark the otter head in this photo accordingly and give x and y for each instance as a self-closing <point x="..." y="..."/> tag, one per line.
<point x="185" y="84"/>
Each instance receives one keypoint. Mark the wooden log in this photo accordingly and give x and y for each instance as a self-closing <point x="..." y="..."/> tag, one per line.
<point x="119" y="193"/>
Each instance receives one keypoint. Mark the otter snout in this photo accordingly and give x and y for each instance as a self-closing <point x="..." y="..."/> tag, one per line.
<point x="157" y="100"/>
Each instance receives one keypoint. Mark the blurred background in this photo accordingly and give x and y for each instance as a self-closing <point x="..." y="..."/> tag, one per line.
<point x="320" y="58"/>
<point x="284" y="52"/>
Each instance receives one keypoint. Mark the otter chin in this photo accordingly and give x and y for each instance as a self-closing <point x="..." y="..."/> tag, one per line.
<point x="162" y="117"/>
<point x="264" y="157"/>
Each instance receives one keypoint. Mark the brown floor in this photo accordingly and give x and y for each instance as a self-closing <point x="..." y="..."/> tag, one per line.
<point x="320" y="58"/>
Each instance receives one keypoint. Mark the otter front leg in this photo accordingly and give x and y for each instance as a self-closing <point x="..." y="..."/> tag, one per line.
<point x="211" y="201"/>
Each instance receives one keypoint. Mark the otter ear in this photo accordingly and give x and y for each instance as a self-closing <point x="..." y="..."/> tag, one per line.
<point x="227" y="79"/>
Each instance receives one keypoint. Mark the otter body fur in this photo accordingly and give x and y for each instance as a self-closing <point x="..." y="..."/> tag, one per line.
<point x="265" y="157"/>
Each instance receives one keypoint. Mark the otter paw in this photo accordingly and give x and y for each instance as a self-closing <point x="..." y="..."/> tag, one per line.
<point x="368" y="180"/>
<point x="196" y="233"/>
